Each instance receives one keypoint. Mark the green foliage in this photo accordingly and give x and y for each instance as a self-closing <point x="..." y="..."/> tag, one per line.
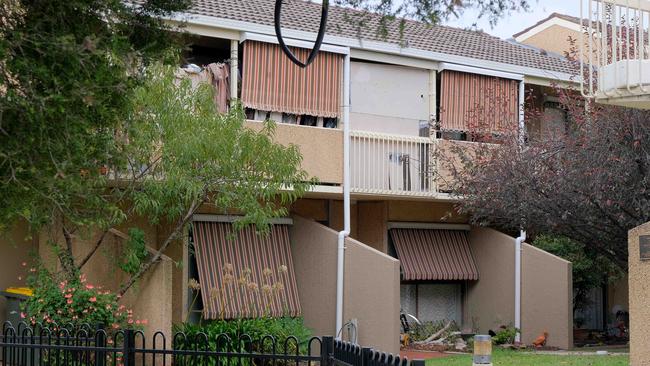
<point x="590" y="270"/>
<point x="257" y="328"/>
<point x="198" y="155"/>
<point x="135" y="252"/>
<point x="72" y="303"/>
<point x="505" y="335"/>
<point x="75" y="65"/>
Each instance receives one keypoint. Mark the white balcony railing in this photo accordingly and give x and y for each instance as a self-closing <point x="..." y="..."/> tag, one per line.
<point x="391" y="164"/>
<point x="615" y="51"/>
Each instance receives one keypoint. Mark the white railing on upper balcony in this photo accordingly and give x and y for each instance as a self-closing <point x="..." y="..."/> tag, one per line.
<point x="615" y="50"/>
<point x="391" y="164"/>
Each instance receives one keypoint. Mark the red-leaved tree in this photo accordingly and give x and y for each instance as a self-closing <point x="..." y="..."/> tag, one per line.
<point x="589" y="183"/>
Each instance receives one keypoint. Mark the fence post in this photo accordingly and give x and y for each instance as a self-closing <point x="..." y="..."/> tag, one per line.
<point x="366" y="356"/>
<point x="326" y="349"/>
<point x="128" y="348"/>
<point x="100" y="342"/>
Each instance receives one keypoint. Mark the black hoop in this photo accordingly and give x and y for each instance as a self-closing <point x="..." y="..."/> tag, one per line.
<point x="319" y="38"/>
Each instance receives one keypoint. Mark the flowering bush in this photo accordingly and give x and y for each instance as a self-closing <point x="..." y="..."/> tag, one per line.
<point x="73" y="303"/>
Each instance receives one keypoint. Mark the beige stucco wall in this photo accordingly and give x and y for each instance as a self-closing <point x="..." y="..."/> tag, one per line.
<point x="546" y="289"/>
<point x="398" y="101"/>
<point x="546" y="297"/>
<point x="371" y="287"/>
<point x="321" y="148"/>
<point x="553" y="39"/>
<point x="639" y="284"/>
<point x="373" y="228"/>
<point x="15" y="246"/>
<point x="421" y="211"/>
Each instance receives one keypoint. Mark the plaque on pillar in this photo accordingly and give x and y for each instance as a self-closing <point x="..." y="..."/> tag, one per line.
<point x="644" y="247"/>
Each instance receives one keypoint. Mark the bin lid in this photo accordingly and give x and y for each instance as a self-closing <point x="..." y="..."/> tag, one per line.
<point x="20" y="291"/>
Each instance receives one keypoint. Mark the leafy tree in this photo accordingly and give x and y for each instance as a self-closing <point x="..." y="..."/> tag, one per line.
<point x="590" y="184"/>
<point x="68" y="70"/>
<point x="584" y="262"/>
<point x="182" y="155"/>
<point x="94" y="129"/>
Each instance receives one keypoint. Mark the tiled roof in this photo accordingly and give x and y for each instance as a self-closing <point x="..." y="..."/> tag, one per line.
<point x="343" y="22"/>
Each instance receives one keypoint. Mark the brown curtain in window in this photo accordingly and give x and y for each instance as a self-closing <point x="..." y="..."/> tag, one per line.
<point x="471" y="102"/>
<point x="271" y="82"/>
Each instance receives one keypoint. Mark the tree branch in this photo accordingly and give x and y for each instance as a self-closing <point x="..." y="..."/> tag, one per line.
<point x="92" y="252"/>
<point x="156" y="257"/>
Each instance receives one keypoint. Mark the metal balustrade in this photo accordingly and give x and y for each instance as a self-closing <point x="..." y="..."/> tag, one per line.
<point x="615" y="51"/>
<point x="391" y="164"/>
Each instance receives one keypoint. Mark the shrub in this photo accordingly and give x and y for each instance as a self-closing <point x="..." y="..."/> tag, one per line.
<point x="505" y="335"/>
<point x="73" y="303"/>
<point x="257" y="328"/>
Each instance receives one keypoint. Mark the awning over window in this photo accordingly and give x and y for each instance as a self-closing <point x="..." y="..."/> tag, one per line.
<point x="243" y="274"/>
<point x="428" y="254"/>
<point x="471" y="102"/>
<point x="271" y="82"/>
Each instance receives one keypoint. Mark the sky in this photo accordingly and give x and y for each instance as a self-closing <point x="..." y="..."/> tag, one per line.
<point x="513" y="23"/>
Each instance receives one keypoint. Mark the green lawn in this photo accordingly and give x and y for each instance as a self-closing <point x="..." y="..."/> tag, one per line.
<point x="507" y="358"/>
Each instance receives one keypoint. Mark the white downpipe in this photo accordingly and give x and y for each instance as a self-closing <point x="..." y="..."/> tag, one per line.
<point x="522" y="124"/>
<point x="340" y="260"/>
<point x="520" y="239"/>
<point x="234" y="69"/>
<point x="522" y="235"/>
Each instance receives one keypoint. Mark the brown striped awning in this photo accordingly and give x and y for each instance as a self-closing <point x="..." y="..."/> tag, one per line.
<point x="478" y="103"/>
<point x="271" y="82"/>
<point x="434" y="255"/>
<point x="244" y="274"/>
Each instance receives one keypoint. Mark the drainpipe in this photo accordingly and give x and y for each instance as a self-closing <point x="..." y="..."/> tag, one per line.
<point x="522" y="234"/>
<point x="234" y="72"/>
<point x="520" y="239"/>
<point x="340" y="260"/>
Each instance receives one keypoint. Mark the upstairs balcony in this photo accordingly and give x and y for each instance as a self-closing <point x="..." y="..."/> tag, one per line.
<point x="615" y="52"/>
<point x="387" y="164"/>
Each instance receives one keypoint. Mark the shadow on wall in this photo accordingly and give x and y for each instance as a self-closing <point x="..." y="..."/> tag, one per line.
<point x="371" y="287"/>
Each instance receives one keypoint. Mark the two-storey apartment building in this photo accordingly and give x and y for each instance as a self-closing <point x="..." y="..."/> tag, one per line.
<point x="401" y="96"/>
<point x="379" y="232"/>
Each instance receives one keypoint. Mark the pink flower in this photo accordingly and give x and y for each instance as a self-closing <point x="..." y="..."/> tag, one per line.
<point x="23" y="315"/>
<point x="130" y="321"/>
<point x="137" y="322"/>
<point x="144" y="321"/>
<point x="92" y="299"/>
<point x="67" y="296"/>
<point x="90" y="287"/>
<point x="69" y="302"/>
<point x="24" y="264"/>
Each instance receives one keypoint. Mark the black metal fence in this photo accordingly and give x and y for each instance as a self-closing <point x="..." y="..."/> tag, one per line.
<point x="85" y="346"/>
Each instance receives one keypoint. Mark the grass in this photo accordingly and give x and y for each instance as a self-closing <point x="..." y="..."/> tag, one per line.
<point x="508" y="358"/>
